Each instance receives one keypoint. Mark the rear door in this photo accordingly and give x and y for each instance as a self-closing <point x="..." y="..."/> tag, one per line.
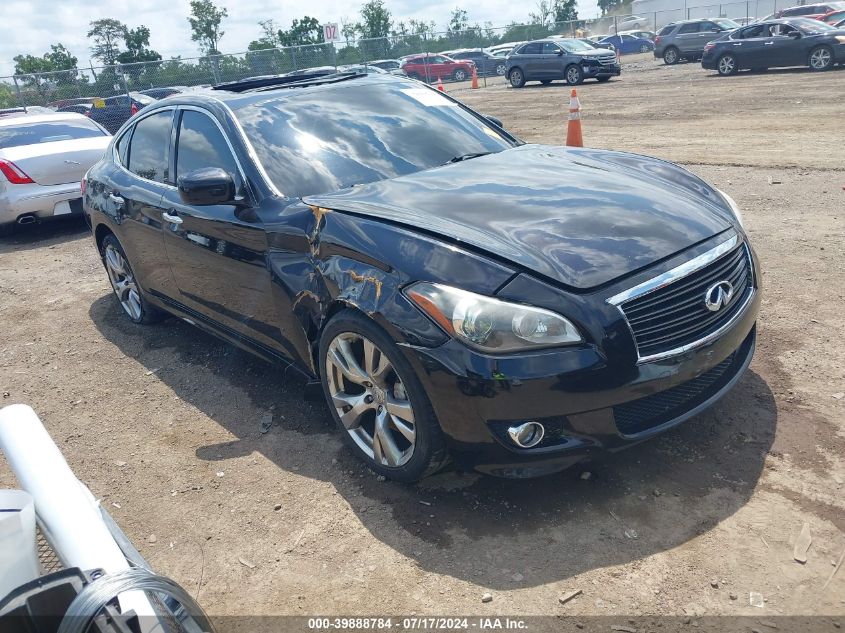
<point x="134" y="194"/>
<point x="218" y="253"/>
<point x="688" y="38"/>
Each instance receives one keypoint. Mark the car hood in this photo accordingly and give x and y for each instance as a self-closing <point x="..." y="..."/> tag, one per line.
<point x="581" y="217"/>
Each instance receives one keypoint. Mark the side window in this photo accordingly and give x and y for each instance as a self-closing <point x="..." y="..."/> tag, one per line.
<point x="148" y="149"/>
<point x="122" y="146"/>
<point x="666" y="30"/>
<point x="201" y="144"/>
<point x="531" y="49"/>
<point x="691" y="27"/>
<point x="707" y="27"/>
<point x="550" y="48"/>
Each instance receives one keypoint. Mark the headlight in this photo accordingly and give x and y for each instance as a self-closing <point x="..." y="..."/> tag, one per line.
<point x="840" y="39"/>
<point x="734" y="207"/>
<point x="489" y="324"/>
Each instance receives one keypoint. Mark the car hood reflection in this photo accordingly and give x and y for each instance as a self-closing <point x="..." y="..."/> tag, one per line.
<point x="581" y="217"/>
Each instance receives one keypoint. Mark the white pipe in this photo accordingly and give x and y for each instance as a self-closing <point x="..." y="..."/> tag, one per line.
<point x="64" y="506"/>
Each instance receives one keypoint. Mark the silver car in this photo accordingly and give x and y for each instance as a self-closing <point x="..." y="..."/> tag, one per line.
<point x="43" y="158"/>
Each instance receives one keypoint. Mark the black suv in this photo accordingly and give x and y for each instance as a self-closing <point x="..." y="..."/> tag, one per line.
<point x="446" y="288"/>
<point x="560" y="58"/>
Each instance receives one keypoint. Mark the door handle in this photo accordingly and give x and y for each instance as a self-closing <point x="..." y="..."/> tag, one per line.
<point x="167" y="217"/>
<point x="768" y="44"/>
<point x="118" y="200"/>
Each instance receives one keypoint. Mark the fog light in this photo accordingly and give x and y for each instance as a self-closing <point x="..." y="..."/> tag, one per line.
<point x="527" y="434"/>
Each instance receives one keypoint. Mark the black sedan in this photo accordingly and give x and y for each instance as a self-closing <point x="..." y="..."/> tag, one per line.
<point x="568" y="59"/>
<point x="449" y="290"/>
<point x="776" y="43"/>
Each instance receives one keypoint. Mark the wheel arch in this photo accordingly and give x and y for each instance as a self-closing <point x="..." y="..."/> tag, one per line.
<point x="101" y="231"/>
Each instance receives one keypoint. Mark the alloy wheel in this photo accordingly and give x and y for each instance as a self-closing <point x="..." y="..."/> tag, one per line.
<point x="644" y="48"/>
<point x="573" y="76"/>
<point x="500" y="70"/>
<point x="670" y="56"/>
<point x="460" y="75"/>
<point x="123" y="282"/>
<point x="820" y="59"/>
<point x="727" y="65"/>
<point x="516" y="79"/>
<point x="370" y="399"/>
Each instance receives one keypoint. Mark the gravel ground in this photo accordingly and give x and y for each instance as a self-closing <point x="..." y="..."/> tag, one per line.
<point x="163" y="422"/>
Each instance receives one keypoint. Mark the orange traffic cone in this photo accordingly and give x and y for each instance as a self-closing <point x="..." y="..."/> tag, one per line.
<point x="440" y="85"/>
<point x="573" y="130"/>
<point x="474" y="85"/>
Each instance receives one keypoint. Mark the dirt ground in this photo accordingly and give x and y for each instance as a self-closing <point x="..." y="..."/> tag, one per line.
<point x="162" y="422"/>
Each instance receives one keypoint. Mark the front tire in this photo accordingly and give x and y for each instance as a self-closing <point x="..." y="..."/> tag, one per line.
<point x="574" y="75"/>
<point x="377" y="400"/>
<point x="726" y="65"/>
<point x="516" y="78"/>
<point x="820" y="59"/>
<point x="124" y="284"/>
<point x="460" y="75"/>
<point x="671" y="56"/>
<point x="501" y="69"/>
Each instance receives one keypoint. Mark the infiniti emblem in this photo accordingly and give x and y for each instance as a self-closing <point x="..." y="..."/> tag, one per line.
<point x="718" y="295"/>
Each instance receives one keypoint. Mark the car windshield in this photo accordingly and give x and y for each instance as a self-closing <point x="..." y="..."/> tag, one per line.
<point x="727" y="24"/>
<point x="810" y="26"/>
<point x="31" y="133"/>
<point x="317" y="141"/>
<point x="574" y="46"/>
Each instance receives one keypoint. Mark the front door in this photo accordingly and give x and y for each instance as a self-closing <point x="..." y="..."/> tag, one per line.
<point x="217" y="253"/>
<point x="133" y="197"/>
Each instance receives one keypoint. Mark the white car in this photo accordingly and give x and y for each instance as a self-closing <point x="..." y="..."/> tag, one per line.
<point x="43" y="158"/>
<point x="631" y="22"/>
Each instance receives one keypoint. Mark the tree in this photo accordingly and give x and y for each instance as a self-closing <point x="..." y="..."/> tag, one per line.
<point x="607" y="6"/>
<point x="543" y="14"/>
<point x="375" y="20"/>
<point x="459" y="21"/>
<point x="106" y="33"/>
<point x="424" y="29"/>
<point x="304" y="31"/>
<point x="7" y="97"/>
<point x="137" y="47"/>
<point x="205" y="20"/>
<point x="61" y="58"/>
<point x="565" y="10"/>
<point x="270" y="38"/>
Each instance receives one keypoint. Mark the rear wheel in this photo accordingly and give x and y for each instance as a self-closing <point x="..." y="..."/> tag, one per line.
<point x="125" y="285"/>
<point x="377" y="400"/>
<point x="821" y="58"/>
<point x="671" y="56"/>
<point x="516" y="78"/>
<point x="501" y="69"/>
<point x="574" y="75"/>
<point x="727" y="65"/>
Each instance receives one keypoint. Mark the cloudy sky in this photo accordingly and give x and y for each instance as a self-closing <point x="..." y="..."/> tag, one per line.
<point x="30" y="27"/>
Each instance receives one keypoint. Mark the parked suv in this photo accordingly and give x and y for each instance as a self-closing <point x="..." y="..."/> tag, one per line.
<point x="686" y="39"/>
<point x="431" y="67"/>
<point x="569" y="59"/>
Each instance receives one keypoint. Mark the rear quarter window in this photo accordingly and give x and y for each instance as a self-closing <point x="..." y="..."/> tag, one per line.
<point x="667" y="29"/>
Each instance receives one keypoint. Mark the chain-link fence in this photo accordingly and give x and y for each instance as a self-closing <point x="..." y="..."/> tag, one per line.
<point x="111" y="94"/>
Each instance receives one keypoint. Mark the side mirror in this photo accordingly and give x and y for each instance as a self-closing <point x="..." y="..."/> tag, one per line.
<point x="559" y="53"/>
<point x="497" y="122"/>
<point x="206" y="186"/>
<point x="795" y="34"/>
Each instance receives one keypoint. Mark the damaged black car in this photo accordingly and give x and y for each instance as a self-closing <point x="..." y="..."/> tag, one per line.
<point x="454" y="293"/>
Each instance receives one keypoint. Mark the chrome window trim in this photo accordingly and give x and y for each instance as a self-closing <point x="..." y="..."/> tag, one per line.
<point x="680" y="272"/>
<point x="253" y="155"/>
<point x="141" y="117"/>
<point x="676" y="273"/>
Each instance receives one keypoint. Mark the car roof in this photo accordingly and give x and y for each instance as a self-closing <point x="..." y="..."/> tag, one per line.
<point x="24" y="117"/>
<point x="235" y="96"/>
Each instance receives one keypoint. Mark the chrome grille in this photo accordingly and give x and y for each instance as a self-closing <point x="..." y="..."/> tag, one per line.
<point x="674" y="315"/>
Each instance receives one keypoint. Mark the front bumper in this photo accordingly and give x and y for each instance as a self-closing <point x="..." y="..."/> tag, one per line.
<point x="41" y="201"/>
<point x="585" y="405"/>
<point x="600" y="70"/>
